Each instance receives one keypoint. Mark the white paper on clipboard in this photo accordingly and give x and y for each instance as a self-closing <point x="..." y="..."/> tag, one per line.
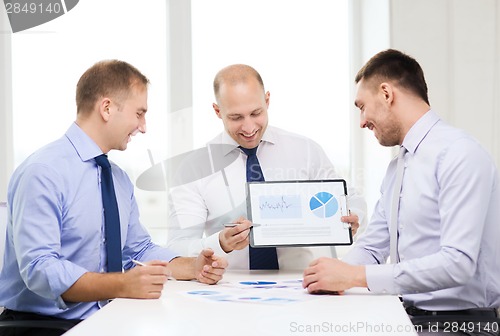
<point x="298" y="213"/>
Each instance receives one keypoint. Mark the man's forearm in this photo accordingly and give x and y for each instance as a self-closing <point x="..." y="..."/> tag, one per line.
<point x="183" y="268"/>
<point x="95" y="287"/>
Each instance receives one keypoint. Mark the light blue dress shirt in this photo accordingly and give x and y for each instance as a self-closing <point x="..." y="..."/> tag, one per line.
<point x="55" y="230"/>
<point x="449" y="223"/>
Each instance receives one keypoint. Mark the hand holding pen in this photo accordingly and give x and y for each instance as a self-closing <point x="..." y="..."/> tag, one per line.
<point x="234" y="236"/>
<point x="168" y="272"/>
<point x="145" y="282"/>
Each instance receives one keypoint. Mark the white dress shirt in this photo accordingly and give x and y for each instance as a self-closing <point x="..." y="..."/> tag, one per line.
<point x="198" y="210"/>
<point x="448" y="223"/>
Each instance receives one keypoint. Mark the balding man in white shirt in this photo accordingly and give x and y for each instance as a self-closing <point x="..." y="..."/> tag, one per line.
<point x="199" y="209"/>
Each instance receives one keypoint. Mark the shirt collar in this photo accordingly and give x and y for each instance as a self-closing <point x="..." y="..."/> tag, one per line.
<point x="419" y="131"/>
<point x="85" y="147"/>
<point x="268" y="137"/>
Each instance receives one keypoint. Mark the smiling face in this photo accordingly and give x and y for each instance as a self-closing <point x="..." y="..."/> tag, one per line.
<point x="375" y="113"/>
<point x="127" y="117"/>
<point x="242" y="107"/>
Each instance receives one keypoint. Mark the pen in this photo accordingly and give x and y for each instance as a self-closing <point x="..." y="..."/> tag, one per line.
<point x="137" y="262"/>
<point x="169" y="273"/>
<point x="234" y="224"/>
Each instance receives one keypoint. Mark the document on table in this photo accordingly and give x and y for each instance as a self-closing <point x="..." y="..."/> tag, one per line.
<point x="298" y="213"/>
<point x="252" y="291"/>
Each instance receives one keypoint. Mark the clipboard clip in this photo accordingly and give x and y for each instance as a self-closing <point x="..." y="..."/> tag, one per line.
<point x="344" y="209"/>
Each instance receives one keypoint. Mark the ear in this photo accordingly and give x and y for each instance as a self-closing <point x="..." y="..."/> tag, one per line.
<point x="268" y="96"/>
<point x="217" y="110"/>
<point x="387" y="91"/>
<point x="104" y="106"/>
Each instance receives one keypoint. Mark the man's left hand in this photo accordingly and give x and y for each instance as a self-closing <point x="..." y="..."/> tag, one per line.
<point x="209" y="268"/>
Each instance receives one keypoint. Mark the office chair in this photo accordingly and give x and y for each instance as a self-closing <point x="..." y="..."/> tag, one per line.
<point x="57" y="326"/>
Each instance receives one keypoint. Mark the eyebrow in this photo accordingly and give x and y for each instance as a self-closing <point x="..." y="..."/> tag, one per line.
<point x="240" y="114"/>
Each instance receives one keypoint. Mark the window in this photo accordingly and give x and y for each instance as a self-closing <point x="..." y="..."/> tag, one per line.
<point x="48" y="60"/>
<point x="300" y="48"/>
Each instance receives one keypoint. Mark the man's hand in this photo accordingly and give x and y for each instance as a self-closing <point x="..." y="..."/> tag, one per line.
<point x="235" y="238"/>
<point x="329" y="274"/>
<point x="141" y="282"/>
<point x="146" y="282"/>
<point x="352" y="219"/>
<point x="209" y="268"/>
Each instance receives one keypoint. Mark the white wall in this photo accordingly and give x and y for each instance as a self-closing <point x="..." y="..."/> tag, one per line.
<point x="457" y="44"/>
<point x="6" y="149"/>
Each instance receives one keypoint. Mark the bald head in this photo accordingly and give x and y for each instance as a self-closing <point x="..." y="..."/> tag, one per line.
<point x="241" y="104"/>
<point x="235" y="74"/>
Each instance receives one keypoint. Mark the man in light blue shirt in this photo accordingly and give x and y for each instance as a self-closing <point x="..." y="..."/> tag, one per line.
<point x="448" y="261"/>
<point x="55" y="255"/>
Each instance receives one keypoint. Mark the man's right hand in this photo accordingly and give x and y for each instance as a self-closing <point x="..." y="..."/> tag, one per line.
<point x="235" y="238"/>
<point x="141" y="282"/>
<point x="146" y="282"/>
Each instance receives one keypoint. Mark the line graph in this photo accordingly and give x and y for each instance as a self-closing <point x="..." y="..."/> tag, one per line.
<point x="280" y="206"/>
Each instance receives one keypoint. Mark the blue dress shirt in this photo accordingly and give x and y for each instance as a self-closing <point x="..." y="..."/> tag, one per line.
<point x="449" y="223"/>
<point x="55" y="230"/>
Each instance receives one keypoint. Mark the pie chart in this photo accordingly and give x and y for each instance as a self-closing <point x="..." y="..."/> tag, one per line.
<point x="324" y="204"/>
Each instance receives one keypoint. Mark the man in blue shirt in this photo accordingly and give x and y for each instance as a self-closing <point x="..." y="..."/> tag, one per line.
<point x="438" y="220"/>
<point x="55" y="257"/>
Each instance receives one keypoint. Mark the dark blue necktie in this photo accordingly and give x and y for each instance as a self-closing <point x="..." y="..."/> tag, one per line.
<point x="260" y="258"/>
<point x="111" y="216"/>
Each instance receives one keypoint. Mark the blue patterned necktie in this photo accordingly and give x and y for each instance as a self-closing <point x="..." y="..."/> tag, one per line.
<point x="264" y="258"/>
<point x="111" y="216"/>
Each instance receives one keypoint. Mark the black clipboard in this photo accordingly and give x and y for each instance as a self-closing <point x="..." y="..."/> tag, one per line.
<point x="298" y="213"/>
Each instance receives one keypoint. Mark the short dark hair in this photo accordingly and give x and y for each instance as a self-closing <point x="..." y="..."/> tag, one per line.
<point x="106" y="78"/>
<point x="395" y="66"/>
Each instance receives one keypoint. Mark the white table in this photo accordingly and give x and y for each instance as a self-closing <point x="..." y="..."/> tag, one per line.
<point x="357" y="312"/>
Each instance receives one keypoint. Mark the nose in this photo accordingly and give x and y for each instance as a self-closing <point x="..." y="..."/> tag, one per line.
<point x="362" y="121"/>
<point x="142" y="125"/>
<point x="248" y="126"/>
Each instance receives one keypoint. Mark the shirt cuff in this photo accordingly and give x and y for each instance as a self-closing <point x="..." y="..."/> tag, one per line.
<point x="213" y="243"/>
<point x="61" y="276"/>
<point x="380" y="279"/>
